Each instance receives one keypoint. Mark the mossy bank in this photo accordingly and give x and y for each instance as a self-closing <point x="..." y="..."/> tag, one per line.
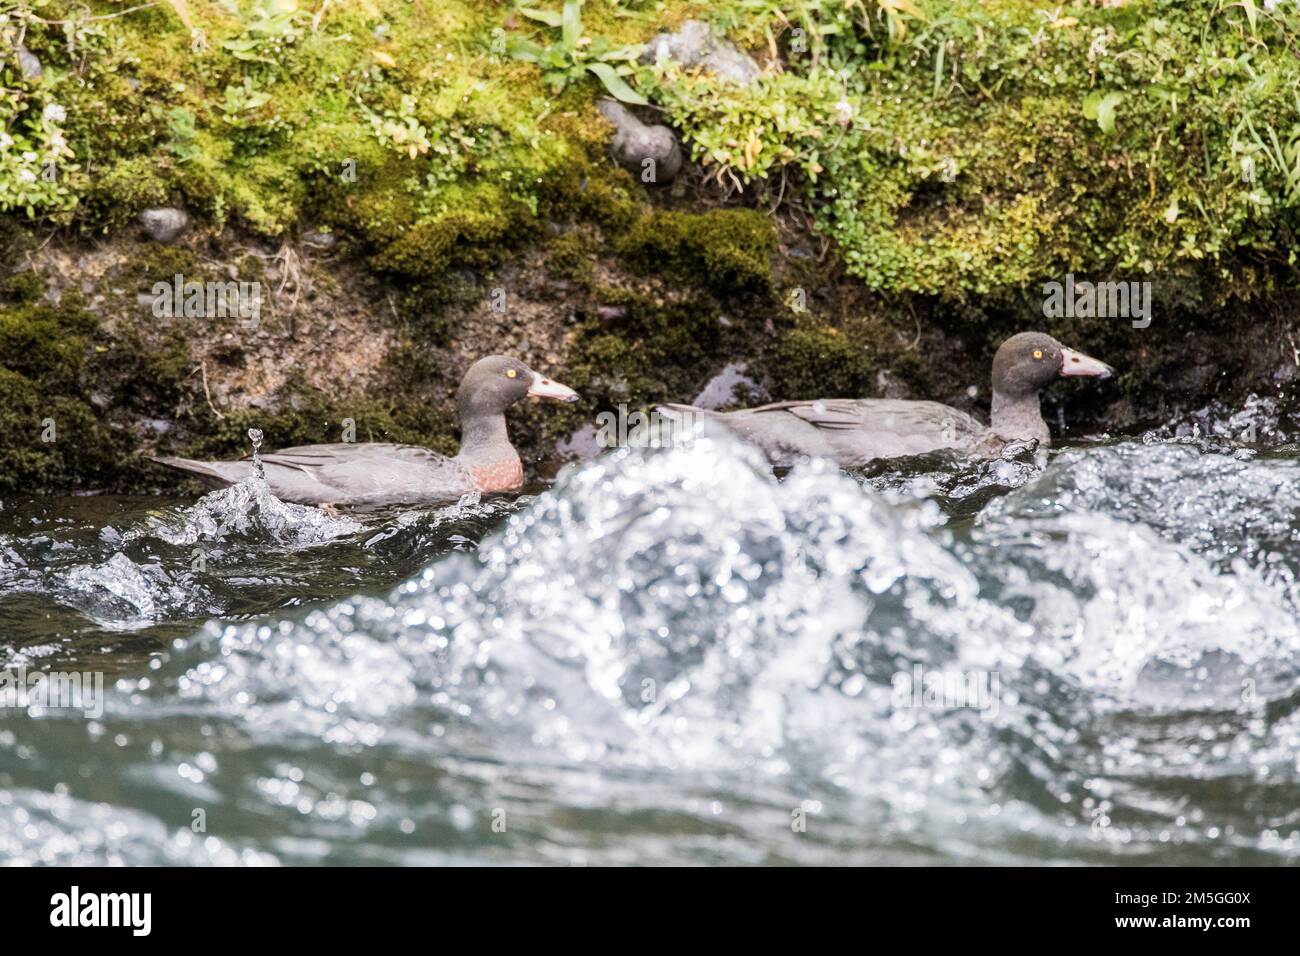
<point x="409" y="191"/>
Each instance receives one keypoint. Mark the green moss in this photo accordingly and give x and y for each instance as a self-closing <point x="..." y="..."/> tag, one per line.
<point x="53" y="441"/>
<point x="144" y="378"/>
<point x="997" y="171"/>
<point x="15" y="240"/>
<point x="22" y="287"/>
<point x="585" y="186"/>
<point x="811" y="362"/>
<point x="605" y="196"/>
<point x="156" y="262"/>
<point x="652" y="350"/>
<point x="572" y="259"/>
<point x="461" y="236"/>
<point x="727" y="251"/>
<point x="45" y="344"/>
<point x="114" y="197"/>
<point x="50" y="435"/>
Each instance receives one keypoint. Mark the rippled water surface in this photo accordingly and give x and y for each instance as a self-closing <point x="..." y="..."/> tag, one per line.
<point x="672" y="656"/>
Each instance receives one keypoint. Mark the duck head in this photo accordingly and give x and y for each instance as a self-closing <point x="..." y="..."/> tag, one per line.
<point x="1030" y="360"/>
<point x="495" y="383"/>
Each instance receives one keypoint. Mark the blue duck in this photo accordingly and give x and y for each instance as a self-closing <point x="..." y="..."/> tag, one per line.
<point x="852" y="432"/>
<point x="381" y="474"/>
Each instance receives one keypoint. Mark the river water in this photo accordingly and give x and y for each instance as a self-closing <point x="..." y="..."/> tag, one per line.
<point x="673" y="656"/>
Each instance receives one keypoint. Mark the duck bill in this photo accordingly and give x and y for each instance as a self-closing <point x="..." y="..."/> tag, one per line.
<point x="1076" y="363"/>
<point x="552" y="391"/>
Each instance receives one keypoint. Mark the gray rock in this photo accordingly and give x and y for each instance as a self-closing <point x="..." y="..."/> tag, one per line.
<point x="164" y="224"/>
<point x="651" y="153"/>
<point x="320" y="239"/>
<point x="730" y="64"/>
<point x="688" y="46"/>
<point x="721" y="389"/>
<point x="695" y="45"/>
<point x="583" y="444"/>
<point x="28" y="64"/>
<point x="886" y="387"/>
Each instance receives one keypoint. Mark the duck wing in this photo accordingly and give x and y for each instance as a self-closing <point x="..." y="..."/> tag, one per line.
<point x="858" y="431"/>
<point x="829" y="413"/>
<point x="365" y="473"/>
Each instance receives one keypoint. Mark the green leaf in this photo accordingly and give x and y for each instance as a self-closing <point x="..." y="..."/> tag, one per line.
<point x="572" y="24"/>
<point x="615" y="84"/>
<point x="525" y="50"/>
<point x="1106" y="112"/>
<point x="1100" y="106"/>
<point x="629" y="53"/>
<point x="549" y="17"/>
<point x="1252" y="14"/>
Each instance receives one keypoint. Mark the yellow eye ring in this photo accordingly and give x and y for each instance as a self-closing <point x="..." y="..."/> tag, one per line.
<point x="1038" y="353"/>
<point x="511" y="373"/>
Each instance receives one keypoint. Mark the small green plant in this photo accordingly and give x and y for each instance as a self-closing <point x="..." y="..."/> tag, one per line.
<point x="34" y="158"/>
<point x="180" y="122"/>
<point x="248" y="110"/>
<point x="400" y="128"/>
<point x="276" y="25"/>
<point x="574" y="56"/>
<point x="242" y="99"/>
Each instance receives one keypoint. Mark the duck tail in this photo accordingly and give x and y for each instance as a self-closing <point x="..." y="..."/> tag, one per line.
<point x="204" y="469"/>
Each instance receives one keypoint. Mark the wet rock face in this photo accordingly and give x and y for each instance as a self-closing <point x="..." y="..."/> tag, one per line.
<point x="694" y="45"/>
<point x="164" y="225"/>
<point x="651" y="153"/>
<point x="720" y="390"/>
<point x="583" y="443"/>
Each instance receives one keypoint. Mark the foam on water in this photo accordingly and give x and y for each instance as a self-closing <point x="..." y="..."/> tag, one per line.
<point x="248" y="508"/>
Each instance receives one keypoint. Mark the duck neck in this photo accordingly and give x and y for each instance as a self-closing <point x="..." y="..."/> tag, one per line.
<point x="1018" y="417"/>
<point x="484" y="439"/>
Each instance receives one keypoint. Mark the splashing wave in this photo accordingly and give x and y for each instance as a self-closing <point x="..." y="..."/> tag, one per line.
<point x="674" y="657"/>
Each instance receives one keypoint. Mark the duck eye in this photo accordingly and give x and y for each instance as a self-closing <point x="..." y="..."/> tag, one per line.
<point x="1038" y="353"/>
<point x="511" y="373"/>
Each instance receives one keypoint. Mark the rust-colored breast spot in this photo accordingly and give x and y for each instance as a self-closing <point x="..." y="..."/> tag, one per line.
<point x="506" y="476"/>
